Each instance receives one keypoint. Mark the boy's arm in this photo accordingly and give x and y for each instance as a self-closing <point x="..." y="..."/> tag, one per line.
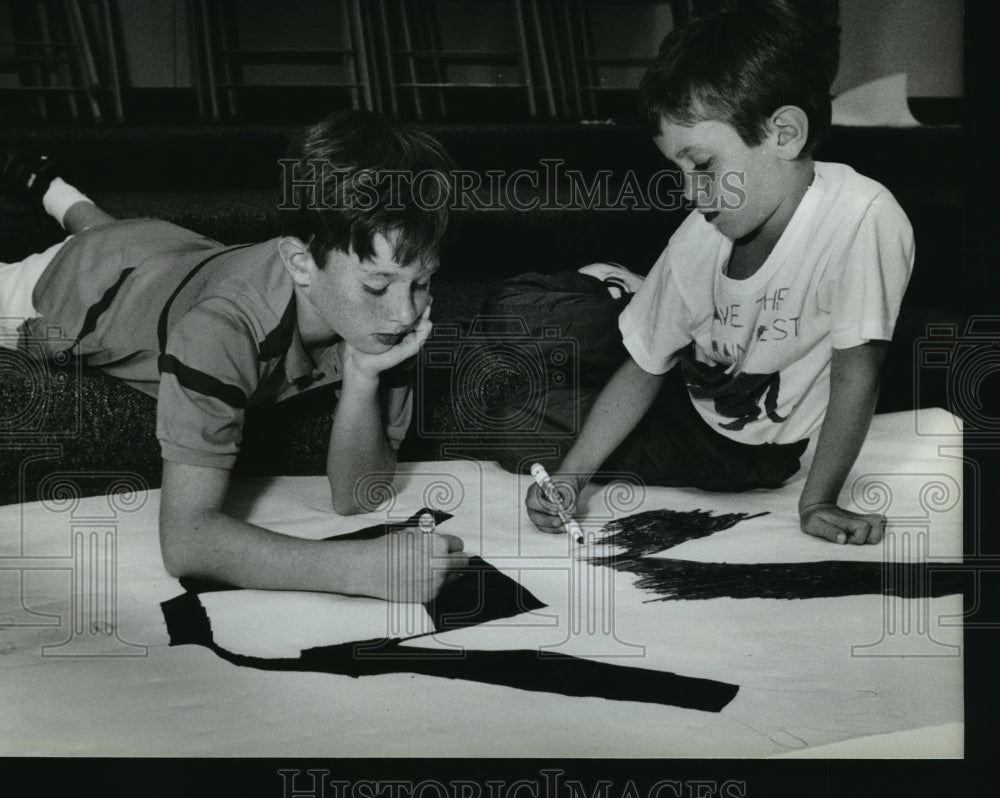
<point x="358" y="442"/>
<point x="619" y="407"/>
<point x="198" y="539"/>
<point x="359" y="445"/>
<point x="854" y="380"/>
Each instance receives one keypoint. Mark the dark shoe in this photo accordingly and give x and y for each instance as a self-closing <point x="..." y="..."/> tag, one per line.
<point x="26" y="177"/>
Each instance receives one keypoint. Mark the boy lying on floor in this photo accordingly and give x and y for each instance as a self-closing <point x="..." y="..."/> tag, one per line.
<point x="211" y="330"/>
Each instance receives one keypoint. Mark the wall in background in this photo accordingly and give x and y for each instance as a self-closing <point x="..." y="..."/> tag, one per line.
<point x="921" y="37"/>
<point x="156" y="43"/>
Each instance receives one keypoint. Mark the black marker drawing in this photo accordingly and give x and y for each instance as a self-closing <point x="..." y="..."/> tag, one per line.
<point x="481" y="595"/>
<point x="655" y="531"/>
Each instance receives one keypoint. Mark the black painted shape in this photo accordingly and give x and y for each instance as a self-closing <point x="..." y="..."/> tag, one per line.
<point x="685" y="579"/>
<point x="188" y="624"/>
<point x="655" y="530"/>
<point x="481" y="594"/>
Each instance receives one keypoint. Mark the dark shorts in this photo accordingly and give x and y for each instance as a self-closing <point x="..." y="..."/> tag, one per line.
<point x="672" y="445"/>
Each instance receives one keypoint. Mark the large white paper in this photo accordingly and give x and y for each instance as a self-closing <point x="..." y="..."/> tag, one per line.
<point x="89" y="671"/>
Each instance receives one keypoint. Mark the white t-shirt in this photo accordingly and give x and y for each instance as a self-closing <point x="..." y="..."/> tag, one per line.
<point x="758" y="369"/>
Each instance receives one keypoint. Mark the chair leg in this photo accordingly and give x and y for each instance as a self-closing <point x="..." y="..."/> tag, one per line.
<point x="350" y="62"/>
<point x="525" y="60"/>
<point x="358" y="51"/>
<point x="194" y="55"/>
<point x="558" y="60"/>
<point x="434" y="42"/>
<point x="680" y="10"/>
<point x="209" y="56"/>
<point x="390" y="74"/>
<point x="543" y="58"/>
<point x="44" y="76"/>
<point x="411" y="64"/>
<point x="111" y="54"/>
<point x="576" y="99"/>
<point x="225" y="15"/>
<point x="85" y="56"/>
<point x="368" y="52"/>
<point x="586" y="49"/>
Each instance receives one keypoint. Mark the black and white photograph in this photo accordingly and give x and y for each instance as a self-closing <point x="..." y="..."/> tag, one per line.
<point x="490" y="398"/>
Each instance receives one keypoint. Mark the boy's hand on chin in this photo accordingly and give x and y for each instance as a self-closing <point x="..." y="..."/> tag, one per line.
<point x="369" y="366"/>
<point x="841" y="526"/>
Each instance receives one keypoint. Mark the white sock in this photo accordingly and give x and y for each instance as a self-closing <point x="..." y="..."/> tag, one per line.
<point x="60" y="197"/>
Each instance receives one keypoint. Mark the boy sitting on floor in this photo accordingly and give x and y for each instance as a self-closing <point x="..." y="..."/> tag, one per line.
<point x="212" y="330"/>
<point x="766" y="318"/>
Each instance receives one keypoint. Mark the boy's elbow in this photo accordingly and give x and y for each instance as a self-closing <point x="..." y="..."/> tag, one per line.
<point x="346" y="505"/>
<point x="344" y="501"/>
<point x="363" y="497"/>
<point x="177" y="546"/>
<point x="173" y="555"/>
<point x="174" y="566"/>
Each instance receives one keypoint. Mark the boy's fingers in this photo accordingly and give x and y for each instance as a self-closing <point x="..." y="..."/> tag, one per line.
<point x="537" y="500"/>
<point x="539" y="508"/>
<point x="822" y="528"/>
<point x="545" y="523"/>
<point x="453" y="543"/>
<point x="858" y="532"/>
<point x="865" y="529"/>
<point x="456" y="561"/>
<point x="876" y="525"/>
<point x="422" y="331"/>
<point x="540" y="518"/>
<point x="542" y="513"/>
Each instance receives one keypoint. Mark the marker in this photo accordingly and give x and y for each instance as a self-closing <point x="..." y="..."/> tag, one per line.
<point x="544" y="482"/>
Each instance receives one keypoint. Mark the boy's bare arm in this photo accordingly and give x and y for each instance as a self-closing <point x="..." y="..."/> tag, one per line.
<point x="198" y="539"/>
<point x="619" y="407"/>
<point x="854" y="380"/>
<point x="358" y="442"/>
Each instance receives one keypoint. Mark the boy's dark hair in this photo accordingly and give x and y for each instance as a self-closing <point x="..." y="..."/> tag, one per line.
<point x="351" y="176"/>
<point x="739" y="66"/>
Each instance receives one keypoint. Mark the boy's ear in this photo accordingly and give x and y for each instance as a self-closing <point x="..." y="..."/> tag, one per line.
<point x="298" y="260"/>
<point x="789" y="130"/>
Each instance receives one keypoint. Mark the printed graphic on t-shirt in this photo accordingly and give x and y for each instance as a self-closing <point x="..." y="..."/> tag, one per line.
<point x="834" y="280"/>
<point x="737" y="396"/>
<point x="738" y="328"/>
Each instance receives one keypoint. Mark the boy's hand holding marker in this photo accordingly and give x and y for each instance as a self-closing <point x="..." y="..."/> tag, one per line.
<point x="551" y="503"/>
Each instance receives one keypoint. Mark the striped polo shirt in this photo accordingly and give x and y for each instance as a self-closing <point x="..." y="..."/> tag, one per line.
<point x="210" y="330"/>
